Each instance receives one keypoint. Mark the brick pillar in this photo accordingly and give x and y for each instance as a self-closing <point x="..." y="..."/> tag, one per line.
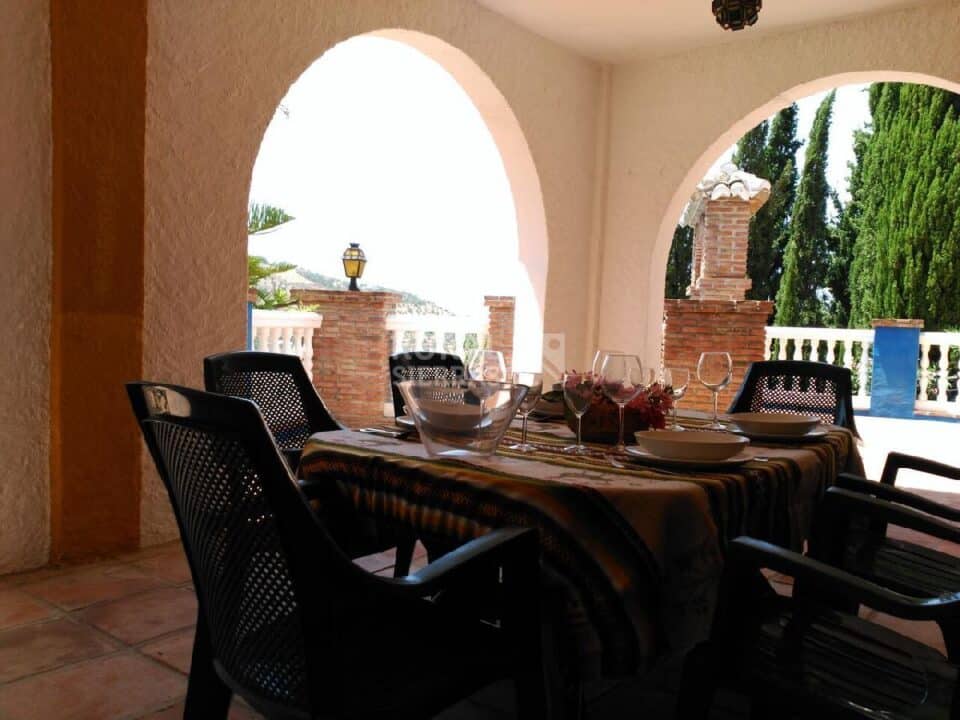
<point x="351" y="350"/>
<point x="716" y="317"/>
<point x="501" y="326"/>
<point x="695" y="326"/>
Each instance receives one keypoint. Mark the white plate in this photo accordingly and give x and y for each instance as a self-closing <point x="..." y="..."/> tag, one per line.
<point x="651" y="459"/>
<point x="815" y="434"/>
<point x="697" y="445"/>
<point x="775" y="423"/>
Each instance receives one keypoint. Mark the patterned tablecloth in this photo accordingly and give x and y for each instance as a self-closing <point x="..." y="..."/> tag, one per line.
<point x="632" y="554"/>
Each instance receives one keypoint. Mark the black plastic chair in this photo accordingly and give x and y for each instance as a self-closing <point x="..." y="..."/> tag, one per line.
<point x="800" y="657"/>
<point x="861" y="545"/>
<point x="799" y="387"/>
<point x="421" y="366"/>
<point x="293" y="411"/>
<point x="287" y="621"/>
<point x="279" y="385"/>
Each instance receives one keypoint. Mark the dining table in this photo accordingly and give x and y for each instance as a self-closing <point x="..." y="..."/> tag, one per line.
<point x="632" y="551"/>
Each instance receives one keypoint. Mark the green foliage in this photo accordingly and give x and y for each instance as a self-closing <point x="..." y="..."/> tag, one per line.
<point x="269" y="295"/>
<point x="261" y="218"/>
<point x="907" y="251"/>
<point x="768" y="152"/>
<point x="844" y="237"/>
<point x="806" y="256"/>
<point x="679" y="263"/>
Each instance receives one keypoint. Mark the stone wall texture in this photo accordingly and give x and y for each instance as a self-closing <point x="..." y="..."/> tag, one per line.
<point x="500" y="331"/>
<point x="695" y="326"/>
<point x="25" y="246"/>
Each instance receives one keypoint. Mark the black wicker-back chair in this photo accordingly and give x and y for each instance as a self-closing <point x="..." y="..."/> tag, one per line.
<point x="864" y="547"/>
<point x="421" y="366"/>
<point x="279" y="385"/>
<point x="288" y="622"/>
<point x="800" y="657"/>
<point x="799" y="387"/>
<point x="293" y="411"/>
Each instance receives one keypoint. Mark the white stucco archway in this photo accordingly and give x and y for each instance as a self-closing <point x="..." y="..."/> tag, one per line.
<point x="672" y="117"/>
<point x="519" y="172"/>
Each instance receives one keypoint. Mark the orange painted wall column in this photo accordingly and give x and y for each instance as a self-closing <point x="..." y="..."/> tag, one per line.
<point x="99" y="107"/>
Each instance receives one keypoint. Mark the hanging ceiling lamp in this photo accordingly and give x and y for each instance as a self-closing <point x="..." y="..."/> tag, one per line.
<point x="736" y="14"/>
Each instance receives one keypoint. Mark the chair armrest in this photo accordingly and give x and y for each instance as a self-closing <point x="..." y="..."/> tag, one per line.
<point x="747" y="553"/>
<point x="900" y="461"/>
<point x="517" y="547"/>
<point x="894" y="514"/>
<point x="894" y="494"/>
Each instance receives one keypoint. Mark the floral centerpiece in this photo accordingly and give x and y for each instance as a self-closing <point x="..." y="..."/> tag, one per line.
<point x="601" y="422"/>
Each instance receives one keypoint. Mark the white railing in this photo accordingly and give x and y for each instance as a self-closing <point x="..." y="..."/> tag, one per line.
<point x="853" y="349"/>
<point x="286" y="332"/>
<point x="454" y="334"/>
<point x="937" y="387"/>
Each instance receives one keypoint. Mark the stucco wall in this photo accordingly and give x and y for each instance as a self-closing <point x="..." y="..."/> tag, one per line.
<point x="671" y="119"/>
<point x="216" y="71"/>
<point x="25" y="141"/>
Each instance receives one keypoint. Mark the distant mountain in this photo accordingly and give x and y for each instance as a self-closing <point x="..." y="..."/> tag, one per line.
<point x="409" y="302"/>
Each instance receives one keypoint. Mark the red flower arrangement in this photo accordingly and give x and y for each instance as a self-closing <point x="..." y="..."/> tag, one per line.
<point x="601" y="422"/>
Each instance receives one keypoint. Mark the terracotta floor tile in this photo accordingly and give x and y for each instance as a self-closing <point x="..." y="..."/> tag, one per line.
<point x="238" y="711"/>
<point x="17" y="608"/>
<point x="79" y="588"/>
<point x="31" y="648"/>
<point x="170" y="566"/>
<point x="927" y="633"/>
<point x="174" y="650"/>
<point x="141" y="617"/>
<point x="120" y="686"/>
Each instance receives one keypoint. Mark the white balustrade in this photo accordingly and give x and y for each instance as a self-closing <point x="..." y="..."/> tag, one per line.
<point x="853" y="349"/>
<point x="937" y="388"/>
<point x="286" y="332"/>
<point x="438" y="333"/>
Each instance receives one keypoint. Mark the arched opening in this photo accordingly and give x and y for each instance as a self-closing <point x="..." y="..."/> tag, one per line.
<point x="911" y="134"/>
<point x="512" y="260"/>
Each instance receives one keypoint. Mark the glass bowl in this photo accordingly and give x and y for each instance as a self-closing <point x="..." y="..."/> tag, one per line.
<point x="461" y="417"/>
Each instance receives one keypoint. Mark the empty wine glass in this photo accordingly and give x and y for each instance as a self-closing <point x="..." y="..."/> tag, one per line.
<point x="578" y="394"/>
<point x="713" y="371"/>
<point x="487" y="365"/>
<point x="599" y="356"/>
<point x="675" y="382"/>
<point x="534" y="383"/>
<point x="621" y="379"/>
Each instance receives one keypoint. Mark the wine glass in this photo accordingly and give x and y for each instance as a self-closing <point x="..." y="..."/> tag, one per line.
<point x="675" y="382"/>
<point x="487" y="365"/>
<point x="534" y="383"/>
<point x="713" y="371"/>
<point x="621" y="379"/>
<point x="578" y="395"/>
<point x="599" y="356"/>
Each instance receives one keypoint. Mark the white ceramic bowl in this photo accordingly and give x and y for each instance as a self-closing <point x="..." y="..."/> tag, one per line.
<point x="775" y="423"/>
<point x="691" y="445"/>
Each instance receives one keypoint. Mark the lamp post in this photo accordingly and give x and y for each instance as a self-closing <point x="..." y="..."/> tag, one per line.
<point x="353" y="263"/>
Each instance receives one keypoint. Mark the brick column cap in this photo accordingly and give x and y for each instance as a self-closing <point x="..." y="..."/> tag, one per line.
<point x="896" y="323"/>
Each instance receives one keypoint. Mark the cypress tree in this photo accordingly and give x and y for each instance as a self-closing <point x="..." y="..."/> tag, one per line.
<point x="679" y="263"/>
<point x="906" y="254"/>
<point x="844" y="237"/>
<point x="768" y="152"/>
<point x="806" y="255"/>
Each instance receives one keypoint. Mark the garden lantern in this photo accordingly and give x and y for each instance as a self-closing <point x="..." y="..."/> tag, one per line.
<point x="353" y="263"/>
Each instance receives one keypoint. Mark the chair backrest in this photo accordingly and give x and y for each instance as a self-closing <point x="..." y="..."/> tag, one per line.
<point x="280" y="387"/>
<point x="421" y="366"/>
<point x="258" y="556"/>
<point x="799" y="387"/>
